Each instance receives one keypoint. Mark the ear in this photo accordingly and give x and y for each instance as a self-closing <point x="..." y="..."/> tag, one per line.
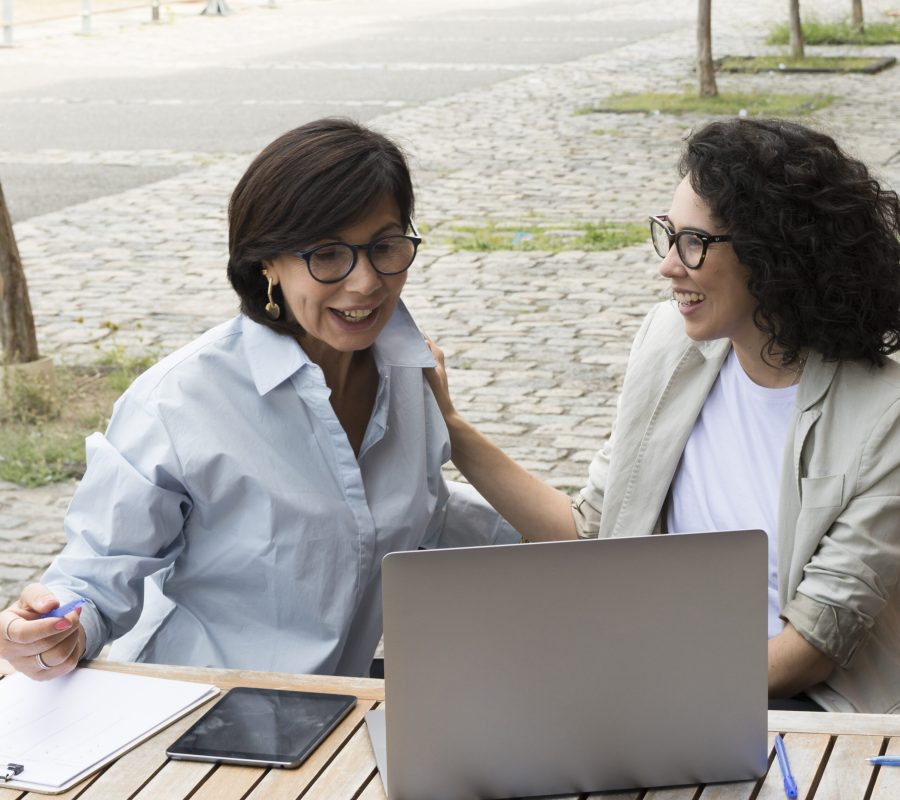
<point x="270" y="273"/>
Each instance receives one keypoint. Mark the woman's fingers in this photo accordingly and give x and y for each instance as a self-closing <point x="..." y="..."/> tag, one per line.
<point x="36" y="599"/>
<point x="41" y="647"/>
<point x="49" y="659"/>
<point x="24" y="633"/>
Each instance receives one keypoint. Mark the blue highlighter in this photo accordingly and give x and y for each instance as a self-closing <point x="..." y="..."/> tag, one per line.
<point x="78" y="602"/>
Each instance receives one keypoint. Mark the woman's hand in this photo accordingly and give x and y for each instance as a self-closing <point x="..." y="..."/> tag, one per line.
<point x="437" y="380"/>
<point x="40" y="648"/>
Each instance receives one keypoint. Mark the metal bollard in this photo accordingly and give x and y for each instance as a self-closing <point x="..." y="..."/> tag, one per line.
<point x="154" y="15"/>
<point x="7" y="23"/>
<point x="86" y="16"/>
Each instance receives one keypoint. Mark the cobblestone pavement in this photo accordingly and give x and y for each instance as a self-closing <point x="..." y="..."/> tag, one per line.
<point x="536" y="342"/>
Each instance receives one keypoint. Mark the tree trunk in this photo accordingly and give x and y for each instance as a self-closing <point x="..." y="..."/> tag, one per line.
<point x="16" y="322"/>
<point x="706" y="73"/>
<point x="856" y="19"/>
<point x="795" y="28"/>
<point x="216" y="7"/>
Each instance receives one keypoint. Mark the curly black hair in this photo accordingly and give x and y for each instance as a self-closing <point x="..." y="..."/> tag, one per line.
<point x="819" y="235"/>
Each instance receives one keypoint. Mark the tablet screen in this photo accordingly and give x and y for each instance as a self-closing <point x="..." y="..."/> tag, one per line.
<point x="263" y="727"/>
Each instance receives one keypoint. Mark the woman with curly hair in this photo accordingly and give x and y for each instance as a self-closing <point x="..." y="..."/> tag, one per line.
<point x="760" y="398"/>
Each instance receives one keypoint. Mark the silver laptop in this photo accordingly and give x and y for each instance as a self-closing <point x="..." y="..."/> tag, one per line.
<point x="572" y="667"/>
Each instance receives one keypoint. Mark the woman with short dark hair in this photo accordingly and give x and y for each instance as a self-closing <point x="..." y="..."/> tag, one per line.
<point x="761" y="398"/>
<point x="236" y="512"/>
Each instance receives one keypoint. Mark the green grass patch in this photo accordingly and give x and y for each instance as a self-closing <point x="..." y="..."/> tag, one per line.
<point x="42" y="438"/>
<point x="785" y="63"/>
<point x="590" y="236"/>
<point x="821" y="32"/>
<point x="122" y="368"/>
<point x="726" y="103"/>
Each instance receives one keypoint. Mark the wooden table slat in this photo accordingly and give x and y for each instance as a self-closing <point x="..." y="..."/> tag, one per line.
<point x="742" y="790"/>
<point x="806" y="752"/>
<point x="887" y="779"/>
<point x="129" y="773"/>
<point x="350" y="770"/>
<point x="847" y="774"/>
<point x="227" y="782"/>
<point x="672" y="793"/>
<point x="374" y="790"/>
<point x="833" y="723"/>
<point x="363" y="688"/>
<point x="175" y="779"/>
<point x="286" y="784"/>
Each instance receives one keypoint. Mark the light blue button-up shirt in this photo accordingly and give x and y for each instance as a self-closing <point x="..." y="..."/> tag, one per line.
<point x="225" y="521"/>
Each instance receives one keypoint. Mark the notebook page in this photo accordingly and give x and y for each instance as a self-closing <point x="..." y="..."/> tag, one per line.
<point x="60" y="729"/>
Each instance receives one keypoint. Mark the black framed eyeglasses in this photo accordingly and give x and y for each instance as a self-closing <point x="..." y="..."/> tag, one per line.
<point x="388" y="255"/>
<point x="691" y="245"/>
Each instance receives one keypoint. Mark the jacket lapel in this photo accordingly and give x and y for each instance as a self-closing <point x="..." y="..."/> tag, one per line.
<point x="817" y="378"/>
<point x="651" y="455"/>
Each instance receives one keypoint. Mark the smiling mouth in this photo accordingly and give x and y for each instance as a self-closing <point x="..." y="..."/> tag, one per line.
<point x="688" y="298"/>
<point x="355" y="315"/>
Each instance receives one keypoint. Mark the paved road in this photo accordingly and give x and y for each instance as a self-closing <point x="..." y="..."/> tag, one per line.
<point x="224" y="90"/>
<point x="536" y="342"/>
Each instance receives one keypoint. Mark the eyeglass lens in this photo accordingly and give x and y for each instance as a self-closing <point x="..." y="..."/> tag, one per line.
<point x="389" y="256"/>
<point x="688" y="245"/>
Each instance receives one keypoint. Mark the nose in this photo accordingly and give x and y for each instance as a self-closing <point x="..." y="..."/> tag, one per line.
<point x="672" y="266"/>
<point x="364" y="279"/>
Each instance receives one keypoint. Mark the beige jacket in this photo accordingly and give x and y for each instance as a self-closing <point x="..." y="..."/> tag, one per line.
<point x="839" y="504"/>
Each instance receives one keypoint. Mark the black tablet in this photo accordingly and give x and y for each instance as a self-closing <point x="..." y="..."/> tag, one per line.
<point x="262" y="727"/>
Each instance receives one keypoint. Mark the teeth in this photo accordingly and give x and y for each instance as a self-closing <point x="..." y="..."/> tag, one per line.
<point x="688" y="297"/>
<point x="356" y="314"/>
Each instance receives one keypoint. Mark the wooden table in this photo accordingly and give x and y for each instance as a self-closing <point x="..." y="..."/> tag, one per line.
<point x="827" y="752"/>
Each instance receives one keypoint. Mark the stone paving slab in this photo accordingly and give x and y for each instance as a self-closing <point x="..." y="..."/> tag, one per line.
<point x="536" y="342"/>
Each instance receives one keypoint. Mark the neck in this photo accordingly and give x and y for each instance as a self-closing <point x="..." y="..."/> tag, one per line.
<point x="337" y="366"/>
<point x="769" y="374"/>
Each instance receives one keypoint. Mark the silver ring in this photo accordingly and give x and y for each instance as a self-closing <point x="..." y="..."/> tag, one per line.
<point x="6" y="627"/>
<point x="42" y="665"/>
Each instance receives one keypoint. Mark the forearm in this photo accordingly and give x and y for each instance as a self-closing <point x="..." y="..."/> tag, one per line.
<point x="536" y="510"/>
<point x="794" y="664"/>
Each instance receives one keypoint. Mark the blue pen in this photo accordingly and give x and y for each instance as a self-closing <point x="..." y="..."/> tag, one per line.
<point x="885" y="761"/>
<point x="790" y="786"/>
<point x="78" y="602"/>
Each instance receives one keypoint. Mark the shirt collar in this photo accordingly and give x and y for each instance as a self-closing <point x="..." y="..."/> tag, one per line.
<point x="275" y="357"/>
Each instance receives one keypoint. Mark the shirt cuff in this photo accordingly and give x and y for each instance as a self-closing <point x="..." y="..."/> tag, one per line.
<point x="587" y="518"/>
<point x="834" y="631"/>
<point x="94" y="638"/>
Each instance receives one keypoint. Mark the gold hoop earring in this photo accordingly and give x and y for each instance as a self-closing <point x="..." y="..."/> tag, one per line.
<point x="273" y="310"/>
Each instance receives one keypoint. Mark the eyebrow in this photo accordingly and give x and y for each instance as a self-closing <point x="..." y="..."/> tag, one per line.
<point x="691" y="228"/>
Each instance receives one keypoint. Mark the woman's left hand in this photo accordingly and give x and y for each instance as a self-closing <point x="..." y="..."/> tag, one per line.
<point x="437" y="379"/>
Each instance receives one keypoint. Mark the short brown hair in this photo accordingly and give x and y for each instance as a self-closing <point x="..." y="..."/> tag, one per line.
<point x="307" y="185"/>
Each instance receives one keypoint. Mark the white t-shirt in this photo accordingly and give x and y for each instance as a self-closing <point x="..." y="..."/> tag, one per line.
<point x="730" y="471"/>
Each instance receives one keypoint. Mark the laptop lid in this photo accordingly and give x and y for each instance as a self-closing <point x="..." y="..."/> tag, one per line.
<point x="575" y="666"/>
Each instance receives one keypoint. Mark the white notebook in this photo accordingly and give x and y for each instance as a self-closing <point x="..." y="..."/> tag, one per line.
<point x="61" y="731"/>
